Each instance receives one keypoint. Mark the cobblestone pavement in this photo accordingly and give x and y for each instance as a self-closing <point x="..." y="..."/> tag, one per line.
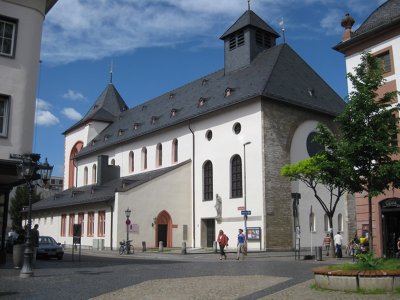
<point x="229" y="287"/>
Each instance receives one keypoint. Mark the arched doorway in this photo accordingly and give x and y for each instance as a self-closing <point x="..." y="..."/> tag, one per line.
<point x="71" y="176"/>
<point x="164" y="229"/>
<point x="390" y="220"/>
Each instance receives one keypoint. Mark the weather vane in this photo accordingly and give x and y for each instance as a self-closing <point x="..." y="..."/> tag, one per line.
<point x="248" y="4"/>
<point x="111" y="71"/>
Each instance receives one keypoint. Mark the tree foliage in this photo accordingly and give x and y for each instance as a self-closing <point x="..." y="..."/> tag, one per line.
<point x="18" y="202"/>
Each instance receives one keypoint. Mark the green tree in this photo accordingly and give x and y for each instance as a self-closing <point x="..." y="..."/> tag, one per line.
<point x="369" y="129"/>
<point x="319" y="173"/>
<point x="18" y="201"/>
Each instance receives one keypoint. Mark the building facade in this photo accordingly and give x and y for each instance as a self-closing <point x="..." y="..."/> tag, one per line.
<point x="203" y="157"/>
<point x="379" y="34"/>
<point x="21" y="24"/>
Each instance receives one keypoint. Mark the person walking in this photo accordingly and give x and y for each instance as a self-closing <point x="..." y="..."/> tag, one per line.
<point x="223" y="242"/>
<point x="338" y="239"/>
<point x="35" y="241"/>
<point x="327" y="243"/>
<point x="241" y="244"/>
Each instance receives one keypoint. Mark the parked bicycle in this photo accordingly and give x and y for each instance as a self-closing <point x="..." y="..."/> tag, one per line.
<point x="126" y="247"/>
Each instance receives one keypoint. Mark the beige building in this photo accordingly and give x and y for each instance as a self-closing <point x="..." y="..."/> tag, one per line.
<point x="21" y="24"/>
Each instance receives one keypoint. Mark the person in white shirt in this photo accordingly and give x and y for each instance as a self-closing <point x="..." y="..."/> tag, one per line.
<point x="338" y="239"/>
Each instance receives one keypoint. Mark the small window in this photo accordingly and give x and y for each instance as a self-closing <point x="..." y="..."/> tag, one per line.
<point x="113" y="162"/>
<point x="173" y="112"/>
<point x="153" y="120"/>
<point x="386" y="61"/>
<point x="8" y="32"/>
<point x="313" y="148"/>
<point x="136" y="126"/>
<point x="159" y="155"/>
<point x="171" y="96"/>
<point x="340" y="222"/>
<point x="201" y="102"/>
<point x="85" y="176"/>
<point x="228" y="92"/>
<point x="237" y="128"/>
<point x="131" y="162"/>
<point x="94" y="174"/>
<point x="236" y="177"/>
<point x="204" y="82"/>
<point x="175" y="151"/>
<point x="144" y="158"/>
<point x="208" y="181"/>
<point x="209" y="135"/>
<point x="4" y="115"/>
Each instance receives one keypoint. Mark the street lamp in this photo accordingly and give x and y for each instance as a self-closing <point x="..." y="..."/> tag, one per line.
<point x="128" y="222"/>
<point x="31" y="169"/>
<point x="244" y="185"/>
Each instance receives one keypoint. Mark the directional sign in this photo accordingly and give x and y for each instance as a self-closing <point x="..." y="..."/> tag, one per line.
<point x="246" y="212"/>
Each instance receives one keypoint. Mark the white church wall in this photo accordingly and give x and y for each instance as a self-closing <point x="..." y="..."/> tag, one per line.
<point x="219" y="150"/>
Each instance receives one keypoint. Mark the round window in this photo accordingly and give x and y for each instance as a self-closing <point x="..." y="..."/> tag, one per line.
<point x="209" y="135"/>
<point x="237" y="128"/>
<point x="313" y="148"/>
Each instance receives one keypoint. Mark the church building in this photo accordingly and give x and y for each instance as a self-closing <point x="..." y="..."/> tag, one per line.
<point x="203" y="157"/>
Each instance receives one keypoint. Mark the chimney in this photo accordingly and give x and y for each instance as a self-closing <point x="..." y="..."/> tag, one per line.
<point x="347" y="23"/>
<point x="106" y="172"/>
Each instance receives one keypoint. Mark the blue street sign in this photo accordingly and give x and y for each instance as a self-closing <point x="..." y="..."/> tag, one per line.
<point x="246" y="212"/>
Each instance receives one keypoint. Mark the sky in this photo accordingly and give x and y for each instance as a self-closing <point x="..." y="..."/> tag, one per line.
<point x="154" y="46"/>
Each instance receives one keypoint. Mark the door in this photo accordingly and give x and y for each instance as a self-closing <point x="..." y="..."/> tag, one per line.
<point x="210" y="223"/>
<point x="162" y="234"/>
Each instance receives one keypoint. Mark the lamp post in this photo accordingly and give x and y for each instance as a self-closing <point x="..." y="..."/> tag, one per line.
<point x="244" y="185"/>
<point x="128" y="222"/>
<point x="31" y="169"/>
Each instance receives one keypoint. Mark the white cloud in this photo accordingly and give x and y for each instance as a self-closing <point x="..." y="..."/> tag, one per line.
<point x="71" y="114"/>
<point x="72" y="95"/>
<point x="42" y="105"/>
<point x="90" y="30"/>
<point x="45" y="118"/>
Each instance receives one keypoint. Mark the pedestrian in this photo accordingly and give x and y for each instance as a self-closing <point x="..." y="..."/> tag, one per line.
<point x="327" y="243"/>
<point x="241" y="244"/>
<point x="398" y="248"/>
<point x="338" y="239"/>
<point x="35" y="241"/>
<point x="223" y="242"/>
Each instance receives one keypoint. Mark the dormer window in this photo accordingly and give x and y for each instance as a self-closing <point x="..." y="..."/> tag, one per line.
<point x="311" y="92"/>
<point x="136" y="126"/>
<point x="201" y="102"/>
<point x="93" y="142"/>
<point x="106" y="137"/>
<point x="121" y="132"/>
<point x="153" y="120"/>
<point x="144" y="107"/>
<point x="173" y="112"/>
<point x="95" y="106"/>
<point x="204" y="82"/>
<point x="171" y="96"/>
<point x="228" y="91"/>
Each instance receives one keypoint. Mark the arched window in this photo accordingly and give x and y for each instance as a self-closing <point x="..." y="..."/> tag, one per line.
<point x="113" y="162"/>
<point x="94" y="174"/>
<point x="208" y="181"/>
<point x="236" y="177"/>
<point x="312" y="222"/>
<point x="85" y="176"/>
<point x="159" y="155"/>
<point x="340" y="222"/>
<point x="174" y="151"/>
<point x="131" y="162"/>
<point x="326" y="223"/>
<point x="144" y="158"/>
<point x="71" y="171"/>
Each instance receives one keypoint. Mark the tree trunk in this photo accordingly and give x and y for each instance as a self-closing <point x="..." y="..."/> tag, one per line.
<point x="333" y="246"/>
<point x="370" y="237"/>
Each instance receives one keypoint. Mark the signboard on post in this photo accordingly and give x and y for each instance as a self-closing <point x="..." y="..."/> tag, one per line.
<point x="245" y="212"/>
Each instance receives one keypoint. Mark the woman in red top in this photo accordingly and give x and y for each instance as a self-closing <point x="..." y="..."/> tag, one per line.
<point x="223" y="242"/>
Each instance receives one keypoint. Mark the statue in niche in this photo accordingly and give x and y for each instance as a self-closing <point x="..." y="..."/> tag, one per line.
<point x="218" y="206"/>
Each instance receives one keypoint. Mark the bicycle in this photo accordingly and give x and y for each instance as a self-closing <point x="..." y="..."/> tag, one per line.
<point x="126" y="247"/>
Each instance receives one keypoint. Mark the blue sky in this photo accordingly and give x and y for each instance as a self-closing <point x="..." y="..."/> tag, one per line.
<point x="158" y="45"/>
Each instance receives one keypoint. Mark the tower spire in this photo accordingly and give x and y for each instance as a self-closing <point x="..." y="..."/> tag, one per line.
<point x="111" y="71"/>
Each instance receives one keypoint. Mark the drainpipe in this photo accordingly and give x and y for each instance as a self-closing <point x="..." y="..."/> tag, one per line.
<point x="111" y="227"/>
<point x="193" y="187"/>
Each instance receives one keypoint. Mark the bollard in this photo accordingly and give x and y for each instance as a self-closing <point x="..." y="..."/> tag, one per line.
<point x="183" y="250"/>
<point x="215" y="246"/>
<point x="143" y="246"/>
<point x="160" y="246"/>
<point x="318" y="253"/>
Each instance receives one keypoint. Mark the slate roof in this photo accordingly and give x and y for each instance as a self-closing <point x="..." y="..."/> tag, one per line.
<point x="249" y="18"/>
<point x="277" y="73"/>
<point x="91" y="194"/>
<point x="385" y="16"/>
<point x="106" y="108"/>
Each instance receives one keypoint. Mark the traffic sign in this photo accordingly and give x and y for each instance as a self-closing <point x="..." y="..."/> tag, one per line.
<point x="246" y="212"/>
<point x="240" y="207"/>
<point x="128" y="222"/>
